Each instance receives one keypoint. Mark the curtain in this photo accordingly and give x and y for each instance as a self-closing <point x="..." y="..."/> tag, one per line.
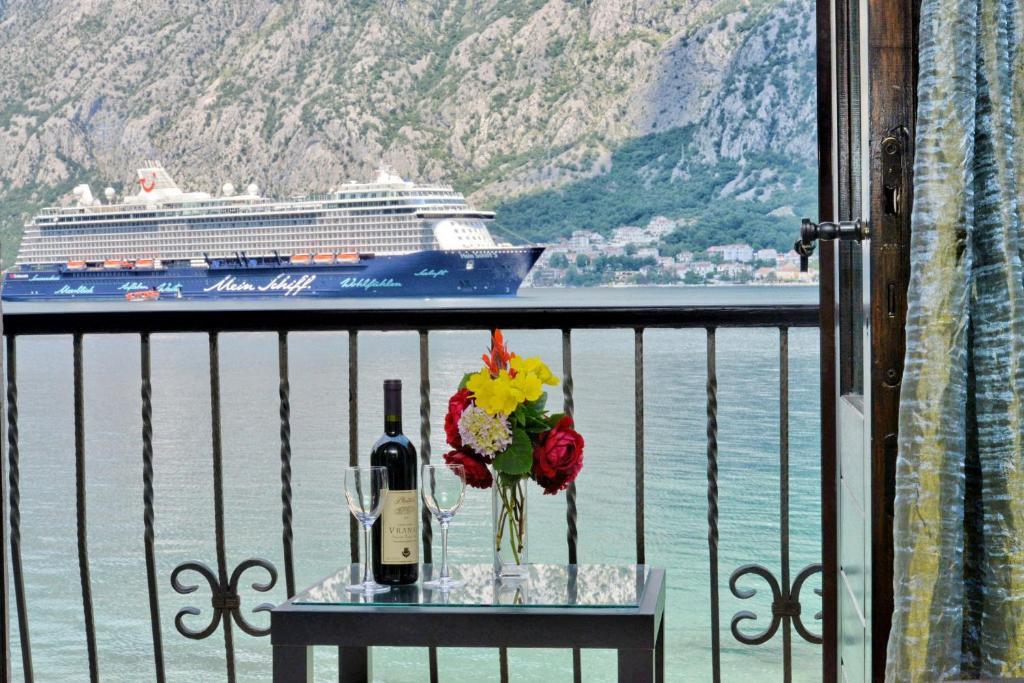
<point x="959" y="508"/>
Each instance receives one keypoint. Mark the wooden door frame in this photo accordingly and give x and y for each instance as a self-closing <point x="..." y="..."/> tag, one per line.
<point x="827" y="341"/>
<point x="892" y="59"/>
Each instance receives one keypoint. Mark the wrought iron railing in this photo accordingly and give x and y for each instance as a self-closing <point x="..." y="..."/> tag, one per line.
<point x="223" y="581"/>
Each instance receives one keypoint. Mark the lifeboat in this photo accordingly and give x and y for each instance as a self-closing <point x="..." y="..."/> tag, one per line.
<point x="112" y="264"/>
<point x="144" y="295"/>
<point x="323" y="258"/>
<point x="348" y="258"/>
<point x="144" y="263"/>
<point x="76" y="265"/>
<point x="299" y="259"/>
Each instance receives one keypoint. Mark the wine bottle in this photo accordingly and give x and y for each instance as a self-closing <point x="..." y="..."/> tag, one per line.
<point x="396" y="533"/>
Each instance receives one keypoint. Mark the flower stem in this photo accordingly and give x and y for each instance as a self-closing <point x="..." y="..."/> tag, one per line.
<point x="509" y="511"/>
<point x="501" y="527"/>
<point x="513" y="536"/>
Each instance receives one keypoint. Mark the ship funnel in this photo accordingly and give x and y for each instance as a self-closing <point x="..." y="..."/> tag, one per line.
<point x="153" y="179"/>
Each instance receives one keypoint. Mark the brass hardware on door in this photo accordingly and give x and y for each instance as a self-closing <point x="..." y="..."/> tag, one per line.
<point x="893" y="173"/>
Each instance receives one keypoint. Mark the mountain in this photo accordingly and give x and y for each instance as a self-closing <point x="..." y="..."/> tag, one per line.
<point x="595" y="112"/>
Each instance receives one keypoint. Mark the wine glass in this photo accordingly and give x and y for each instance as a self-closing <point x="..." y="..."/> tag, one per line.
<point x="443" y="488"/>
<point x="366" y="488"/>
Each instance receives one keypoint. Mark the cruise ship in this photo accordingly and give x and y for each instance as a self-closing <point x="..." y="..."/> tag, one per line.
<point x="389" y="238"/>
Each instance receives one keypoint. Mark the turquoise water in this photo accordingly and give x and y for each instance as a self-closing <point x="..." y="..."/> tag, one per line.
<point x="676" y="517"/>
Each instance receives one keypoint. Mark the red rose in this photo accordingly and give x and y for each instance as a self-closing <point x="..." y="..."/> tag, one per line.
<point x="558" y="456"/>
<point x="477" y="473"/>
<point x="456" y="404"/>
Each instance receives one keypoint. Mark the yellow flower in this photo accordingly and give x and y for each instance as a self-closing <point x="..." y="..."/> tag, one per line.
<point x="504" y="393"/>
<point x="526" y="387"/>
<point x="494" y="394"/>
<point x="536" y="367"/>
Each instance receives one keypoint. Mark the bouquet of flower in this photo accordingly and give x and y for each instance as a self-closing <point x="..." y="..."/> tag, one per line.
<point x="498" y="418"/>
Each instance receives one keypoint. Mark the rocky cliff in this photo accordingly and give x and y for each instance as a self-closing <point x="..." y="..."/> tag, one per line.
<point x="504" y="98"/>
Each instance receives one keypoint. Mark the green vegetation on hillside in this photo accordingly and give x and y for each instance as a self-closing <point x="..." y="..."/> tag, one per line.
<point x="647" y="179"/>
<point x="20" y="204"/>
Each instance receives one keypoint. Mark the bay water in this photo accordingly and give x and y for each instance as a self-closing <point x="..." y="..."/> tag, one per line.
<point x="676" y="482"/>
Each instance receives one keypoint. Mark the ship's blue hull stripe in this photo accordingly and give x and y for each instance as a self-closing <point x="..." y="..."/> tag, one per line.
<point x="425" y="273"/>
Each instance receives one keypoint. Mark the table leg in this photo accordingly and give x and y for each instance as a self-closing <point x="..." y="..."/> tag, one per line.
<point x="636" y="665"/>
<point x="354" y="665"/>
<point x="293" y="664"/>
<point x="659" y="652"/>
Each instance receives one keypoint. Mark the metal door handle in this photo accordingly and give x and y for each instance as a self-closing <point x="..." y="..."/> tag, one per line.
<point x="811" y="232"/>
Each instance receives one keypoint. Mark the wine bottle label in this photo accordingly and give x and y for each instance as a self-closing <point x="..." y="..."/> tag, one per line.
<point x="400" y="537"/>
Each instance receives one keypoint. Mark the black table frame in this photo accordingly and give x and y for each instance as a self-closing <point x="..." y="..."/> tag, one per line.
<point x="637" y="633"/>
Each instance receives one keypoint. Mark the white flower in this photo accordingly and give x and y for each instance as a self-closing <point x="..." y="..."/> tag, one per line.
<point x="486" y="434"/>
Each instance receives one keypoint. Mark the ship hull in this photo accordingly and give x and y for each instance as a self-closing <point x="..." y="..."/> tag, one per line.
<point x="496" y="272"/>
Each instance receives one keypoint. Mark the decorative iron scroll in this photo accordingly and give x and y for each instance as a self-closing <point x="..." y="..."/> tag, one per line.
<point x="785" y="605"/>
<point x="224" y="597"/>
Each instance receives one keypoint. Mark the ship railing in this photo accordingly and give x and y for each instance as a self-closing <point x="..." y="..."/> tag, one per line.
<point x="786" y="588"/>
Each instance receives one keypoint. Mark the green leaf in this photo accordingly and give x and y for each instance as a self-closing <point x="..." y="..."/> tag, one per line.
<point x="535" y="424"/>
<point x="554" y="419"/>
<point x="518" y="417"/>
<point x="518" y="457"/>
<point x="465" y="379"/>
<point x="539" y="405"/>
<point x="508" y="480"/>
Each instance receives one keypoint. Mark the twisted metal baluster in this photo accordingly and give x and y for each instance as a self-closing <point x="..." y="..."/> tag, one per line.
<point x="14" y="475"/>
<point x="148" y="516"/>
<point x="712" y="436"/>
<point x="570" y="493"/>
<point x="638" y="429"/>
<point x="80" y="505"/>
<point x="284" y="391"/>
<point x="5" y="621"/>
<point x="568" y="406"/>
<point x="353" y="431"/>
<point x="428" y="534"/>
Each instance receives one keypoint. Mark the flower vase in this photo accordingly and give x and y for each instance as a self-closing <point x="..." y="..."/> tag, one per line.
<point x="509" y="515"/>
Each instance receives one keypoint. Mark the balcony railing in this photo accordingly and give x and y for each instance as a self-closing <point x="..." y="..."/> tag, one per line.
<point x="223" y="579"/>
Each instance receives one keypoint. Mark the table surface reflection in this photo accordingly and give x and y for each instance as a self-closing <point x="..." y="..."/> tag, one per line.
<point x="548" y="585"/>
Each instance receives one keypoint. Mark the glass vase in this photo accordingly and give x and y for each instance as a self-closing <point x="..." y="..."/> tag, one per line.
<point x="508" y="511"/>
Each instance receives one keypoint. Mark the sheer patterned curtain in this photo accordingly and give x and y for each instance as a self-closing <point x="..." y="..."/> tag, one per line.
<point x="959" y="510"/>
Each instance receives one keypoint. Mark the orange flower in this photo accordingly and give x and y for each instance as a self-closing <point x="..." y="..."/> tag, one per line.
<point x="498" y="358"/>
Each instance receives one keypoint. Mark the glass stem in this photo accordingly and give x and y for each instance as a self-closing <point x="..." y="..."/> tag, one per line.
<point x="367" y="576"/>
<point x="444" y="550"/>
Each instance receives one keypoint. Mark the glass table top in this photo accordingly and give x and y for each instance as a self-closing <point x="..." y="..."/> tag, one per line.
<point x="549" y="585"/>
